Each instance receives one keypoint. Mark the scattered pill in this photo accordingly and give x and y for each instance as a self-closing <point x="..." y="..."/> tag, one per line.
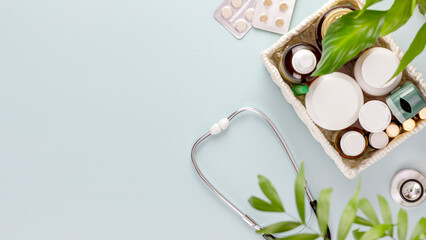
<point x="237" y="3"/>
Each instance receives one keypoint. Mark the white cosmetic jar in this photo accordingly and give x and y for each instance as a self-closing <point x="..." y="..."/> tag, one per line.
<point x="334" y="100"/>
<point x="375" y="116"/>
<point x="374" y="68"/>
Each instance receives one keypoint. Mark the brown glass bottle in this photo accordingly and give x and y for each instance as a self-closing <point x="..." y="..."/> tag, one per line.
<point x="328" y="18"/>
<point x="298" y="63"/>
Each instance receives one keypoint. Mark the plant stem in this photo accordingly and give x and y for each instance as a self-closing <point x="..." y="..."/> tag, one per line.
<point x="304" y="224"/>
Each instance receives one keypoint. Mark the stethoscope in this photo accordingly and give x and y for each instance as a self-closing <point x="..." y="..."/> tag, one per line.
<point x="223" y="125"/>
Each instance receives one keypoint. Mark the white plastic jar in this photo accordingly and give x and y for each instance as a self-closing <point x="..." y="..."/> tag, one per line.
<point x="374" y="68"/>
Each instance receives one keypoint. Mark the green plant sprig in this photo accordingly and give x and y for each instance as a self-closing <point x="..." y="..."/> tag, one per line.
<point x="375" y="228"/>
<point x="360" y="29"/>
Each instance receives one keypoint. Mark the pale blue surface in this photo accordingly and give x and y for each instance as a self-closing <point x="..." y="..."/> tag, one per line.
<point x="101" y="101"/>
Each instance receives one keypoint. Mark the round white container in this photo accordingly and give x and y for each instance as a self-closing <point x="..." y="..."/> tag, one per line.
<point x="374" y="68"/>
<point x="352" y="143"/>
<point x="378" y="140"/>
<point x="374" y="116"/>
<point x="334" y="100"/>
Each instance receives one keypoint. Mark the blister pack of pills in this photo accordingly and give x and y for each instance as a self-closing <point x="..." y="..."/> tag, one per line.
<point x="236" y="16"/>
<point x="273" y="15"/>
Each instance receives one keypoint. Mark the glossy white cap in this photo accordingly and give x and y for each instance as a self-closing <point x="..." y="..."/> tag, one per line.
<point x="374" y="116"/>
<point x="378" y="140"/>
<point x="374" y="68"/>
<point x="334" y="100"/>
<point x="304" y="61"/>
<point x="352" y="143"/>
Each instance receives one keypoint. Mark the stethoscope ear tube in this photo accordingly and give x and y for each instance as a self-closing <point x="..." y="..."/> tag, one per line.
<point x="223" y="125"/>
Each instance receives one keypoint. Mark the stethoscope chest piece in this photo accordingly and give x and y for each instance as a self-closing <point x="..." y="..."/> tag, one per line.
<point x="408" y="188"/>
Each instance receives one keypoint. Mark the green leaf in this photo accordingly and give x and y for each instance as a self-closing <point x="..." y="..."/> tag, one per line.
<point x="347" y="37"/>
<point x="376" y="232"/>
<point x="269" y="190"/>
<point x="397" y="15"/>
<point x="419" y="229"/>
<point x="422" y="6"/>
<point x="386" y="212"/>
<point x="367" y="4"/>
<point x="303" y="236"/>
<point x="279" y="227"/>
<point x="368" y="210"/>
<point x="262" y="205"/>
<point x="415" y="49"/>
<point x="357" y="234"/>
<point x="402" y="224"/>
<point x="323" y="209"/>
<point x="300" y="192"/>
<point x="362" y="221"/>
<point x="348" y="215"/>
<point x="421" y="236"/>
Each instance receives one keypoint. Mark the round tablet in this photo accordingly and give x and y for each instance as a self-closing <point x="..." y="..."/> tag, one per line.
<point x="283" y="6"/>
<point x="393" y="130"/>
<point x="334" y="100"/>
<point x="263" y="18"/>
<point x="279" y="22"/>
<point x="241" y="26"/>
<point x="237" y="3"/>
<point x="374" y="68"/>
<point x="409" y="125"/>
<point x="374" y="116"/>
<point x="304" y="61"/>
<point x="249" y="14"/>
<point x="227" y="12"/>
<point x="378" y="140"/>
<point x="267" y="3"/>
<point x="352" y="143"/>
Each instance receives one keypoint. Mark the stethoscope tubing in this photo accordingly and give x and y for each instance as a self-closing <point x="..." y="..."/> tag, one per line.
<point x="244" y="216"/>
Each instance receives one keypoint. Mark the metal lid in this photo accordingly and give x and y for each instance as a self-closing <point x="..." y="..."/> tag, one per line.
<point x="332" y="17"/>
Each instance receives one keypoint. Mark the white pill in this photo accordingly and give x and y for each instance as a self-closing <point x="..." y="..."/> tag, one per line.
<point x="249" y="14"/>
<point x="237" y="3"/>
<point x="227" y="12"/>
<point x="241" y="26"/>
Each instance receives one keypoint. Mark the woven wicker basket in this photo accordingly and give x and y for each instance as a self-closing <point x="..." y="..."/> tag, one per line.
<point x="305" y="32"/>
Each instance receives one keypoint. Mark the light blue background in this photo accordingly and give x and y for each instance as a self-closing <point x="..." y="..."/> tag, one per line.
<point x="101" y="101"/>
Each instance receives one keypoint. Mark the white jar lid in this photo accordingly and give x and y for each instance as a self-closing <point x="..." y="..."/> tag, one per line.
<point x="334" y="100"/>
<point x="304" y="61"/>
<point x="352" y="143"/>
<point x="378" y="140"/>
<point x="374" y="116"/>
<point x="374" y="68"/>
